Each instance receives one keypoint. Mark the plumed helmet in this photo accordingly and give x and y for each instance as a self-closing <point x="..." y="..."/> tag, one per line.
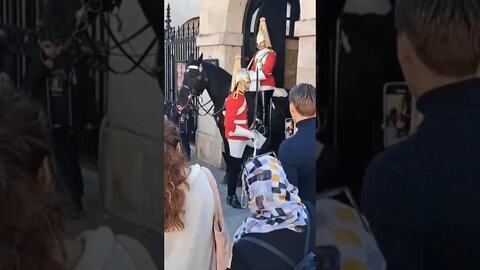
<point x="262" y="34"/>
<point x="239" y="74"/>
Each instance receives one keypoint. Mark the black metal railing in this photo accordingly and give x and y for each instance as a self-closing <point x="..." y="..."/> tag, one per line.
<point x="20" y="20"/>
<point x="180" y="47"/>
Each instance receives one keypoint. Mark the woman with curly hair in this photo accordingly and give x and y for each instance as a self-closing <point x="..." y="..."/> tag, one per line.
<point x="31" y="212"/>
<point x="31" y="217"/>
<point x="189" y="209"/>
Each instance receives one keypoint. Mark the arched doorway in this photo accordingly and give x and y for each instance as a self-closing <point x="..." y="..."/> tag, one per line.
<point x="281" y="30"/>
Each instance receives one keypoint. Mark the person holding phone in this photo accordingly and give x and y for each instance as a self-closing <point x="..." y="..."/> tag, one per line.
<point x="298" y="153"/>
<point x="422" y="196"/>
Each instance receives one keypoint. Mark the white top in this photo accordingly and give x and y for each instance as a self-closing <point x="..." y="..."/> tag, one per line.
<point x="363" y="7"/>
<point x="192" y="248"/>
<point x="102" y="250"/>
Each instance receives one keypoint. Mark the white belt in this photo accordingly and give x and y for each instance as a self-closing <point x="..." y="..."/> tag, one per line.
<point x="240" y="122"/>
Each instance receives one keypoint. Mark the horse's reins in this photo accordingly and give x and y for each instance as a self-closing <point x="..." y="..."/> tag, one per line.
<point x="257" y="82"/>
<point x="207" y="112"/>
<point x="200" y="100"/>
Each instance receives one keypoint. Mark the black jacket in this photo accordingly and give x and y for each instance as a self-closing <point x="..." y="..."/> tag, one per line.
<point x="297" y="155"/>
<point x="422" y="196"/>
<point x="249" y="256"/>
<point x="83" y="109"/>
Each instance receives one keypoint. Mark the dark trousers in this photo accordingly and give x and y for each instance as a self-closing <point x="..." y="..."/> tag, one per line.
<point x="185" y="138"/>
<point x="67" y="162"/>
<point x="264" y="98"/>
<point x="234" y="170"/>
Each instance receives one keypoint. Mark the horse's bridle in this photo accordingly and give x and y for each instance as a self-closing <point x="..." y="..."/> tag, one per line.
<point x="193" y="95"/>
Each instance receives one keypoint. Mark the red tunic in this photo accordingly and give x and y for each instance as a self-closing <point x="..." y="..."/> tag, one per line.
<point x="235" y="114"/>
<point x="267" y="64"/>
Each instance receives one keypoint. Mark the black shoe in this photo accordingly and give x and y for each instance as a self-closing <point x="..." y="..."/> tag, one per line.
<point x="234" y="202"/>
<point x="76" y="212"/>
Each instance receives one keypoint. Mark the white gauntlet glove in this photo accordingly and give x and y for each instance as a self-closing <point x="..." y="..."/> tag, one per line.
<point x="242" y="132"/>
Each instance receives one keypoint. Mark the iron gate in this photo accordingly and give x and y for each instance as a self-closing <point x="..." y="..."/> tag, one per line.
<point x="25" y="16"/>
<point x="180" y="47"/>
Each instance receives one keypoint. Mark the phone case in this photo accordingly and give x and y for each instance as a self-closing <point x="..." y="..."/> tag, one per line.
<point x="397" y="113"/>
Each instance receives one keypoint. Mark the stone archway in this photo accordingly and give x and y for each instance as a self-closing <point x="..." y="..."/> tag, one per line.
<point x="220" y="34"/>
<point x="221" y="37"/>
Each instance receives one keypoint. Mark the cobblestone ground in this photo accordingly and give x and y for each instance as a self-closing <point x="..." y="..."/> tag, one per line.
<point x="97" y="216"/>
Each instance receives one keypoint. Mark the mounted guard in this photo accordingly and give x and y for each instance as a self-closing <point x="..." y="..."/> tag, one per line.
<point x="261" y="74"/>
<point x="237" y="131"/>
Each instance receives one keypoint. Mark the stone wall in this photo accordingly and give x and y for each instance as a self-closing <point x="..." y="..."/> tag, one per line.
<point x="291" y="59"/>
<point x="306" y="32"/>
<point x="220" y="38"/>
<point x="131" y="137"/>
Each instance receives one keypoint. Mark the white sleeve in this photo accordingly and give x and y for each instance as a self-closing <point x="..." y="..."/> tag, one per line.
<point x="242" y="132"/>
<point x="253" y="75"/>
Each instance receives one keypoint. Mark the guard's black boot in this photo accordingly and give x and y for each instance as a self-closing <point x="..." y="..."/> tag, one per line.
<point x="227" y="160"/>
<point x="233" y="201"/>
<point x="233" y="176"/>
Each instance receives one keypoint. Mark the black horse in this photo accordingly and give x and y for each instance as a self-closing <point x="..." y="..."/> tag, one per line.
<point x="201" y="75"/>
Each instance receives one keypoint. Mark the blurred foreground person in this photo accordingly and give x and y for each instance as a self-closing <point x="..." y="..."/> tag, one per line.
<point x="51" y="80"/>
<point x="422" y="196"/>
<point x="31" y="212"/>
<point x="276" y="234"/>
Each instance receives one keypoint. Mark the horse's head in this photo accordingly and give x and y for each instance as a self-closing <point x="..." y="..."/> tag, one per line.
<point x="194" y="82"/>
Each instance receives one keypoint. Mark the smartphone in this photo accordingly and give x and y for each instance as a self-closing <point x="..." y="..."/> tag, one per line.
<point x="289" y="128"/>
<point x="397" y="112"/>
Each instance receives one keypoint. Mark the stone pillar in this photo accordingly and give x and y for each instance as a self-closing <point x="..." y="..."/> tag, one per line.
<point x="306" y="33"/>
<point x="131" y="136"/>
<point x="220" y="38"/>
<point x="291" y="59"/>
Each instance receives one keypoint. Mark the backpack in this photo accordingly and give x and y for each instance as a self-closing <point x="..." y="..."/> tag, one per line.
<point x="307" y="263"/>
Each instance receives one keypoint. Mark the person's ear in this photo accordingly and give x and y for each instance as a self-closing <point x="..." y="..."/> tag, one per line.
<point x="44" y="174"/>
<point x="292" y="108"/>
<point x="405" y="50"/>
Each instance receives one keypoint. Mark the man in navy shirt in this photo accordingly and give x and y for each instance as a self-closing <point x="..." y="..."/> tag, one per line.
<point x="422" y="196"/>
<point x="298" y="153"/>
